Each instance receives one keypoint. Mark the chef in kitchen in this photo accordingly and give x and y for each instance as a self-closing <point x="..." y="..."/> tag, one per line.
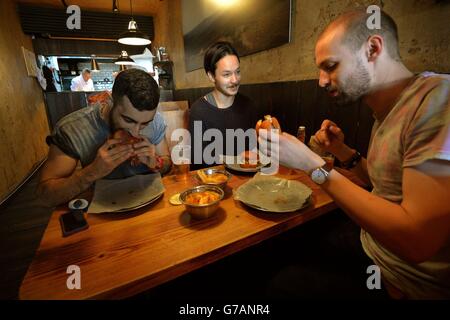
<point x="83" y="82"/>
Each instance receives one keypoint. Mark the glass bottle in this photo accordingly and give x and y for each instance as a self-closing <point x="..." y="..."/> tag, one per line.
<point x="301" y="133"/>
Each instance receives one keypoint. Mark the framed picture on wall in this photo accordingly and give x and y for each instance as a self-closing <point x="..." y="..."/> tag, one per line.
<point x="30" y="62"/>
<point x="249" y="25"/>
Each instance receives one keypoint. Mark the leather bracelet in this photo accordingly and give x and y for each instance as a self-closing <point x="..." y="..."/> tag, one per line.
<point x="353" y="161"/>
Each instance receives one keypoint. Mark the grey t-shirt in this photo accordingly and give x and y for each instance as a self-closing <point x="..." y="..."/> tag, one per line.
<point x="81" y="133"/>
<point x="415" y="130"/>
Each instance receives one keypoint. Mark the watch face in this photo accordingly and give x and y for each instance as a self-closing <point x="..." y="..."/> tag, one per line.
<point x="318" y="176"/>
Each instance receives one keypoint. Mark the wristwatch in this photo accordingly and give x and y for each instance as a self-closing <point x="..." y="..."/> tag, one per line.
<point x="319" y="175"/>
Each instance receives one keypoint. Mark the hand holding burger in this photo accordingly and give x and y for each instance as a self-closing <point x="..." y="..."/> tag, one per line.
<point x="268" y="123"/>
<point x="127" y="139"/>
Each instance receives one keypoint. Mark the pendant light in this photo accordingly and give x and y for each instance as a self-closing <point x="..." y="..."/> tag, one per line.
<point x="94" y="64"/>
<point x="133" y="36"/>
<point x="124" y="59"/>
<point x="115" y="7"/>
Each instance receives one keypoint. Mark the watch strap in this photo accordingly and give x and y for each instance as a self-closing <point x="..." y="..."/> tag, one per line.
<point x="353" y="161"/>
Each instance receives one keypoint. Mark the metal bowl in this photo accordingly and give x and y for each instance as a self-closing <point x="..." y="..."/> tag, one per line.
<point x="202" y="211"/>
<point x="209" y="172"/>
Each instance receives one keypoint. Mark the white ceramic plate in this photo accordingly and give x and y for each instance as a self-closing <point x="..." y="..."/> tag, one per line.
<point x="141" y="205"/>
<point x="273" y="194"/>
<point x="126" y="194"/>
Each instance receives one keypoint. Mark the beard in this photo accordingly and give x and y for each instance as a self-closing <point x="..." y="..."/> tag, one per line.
<point x="356" y="85"/>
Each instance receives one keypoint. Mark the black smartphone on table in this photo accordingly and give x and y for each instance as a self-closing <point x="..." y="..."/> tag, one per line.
<point x="73" y="222"/>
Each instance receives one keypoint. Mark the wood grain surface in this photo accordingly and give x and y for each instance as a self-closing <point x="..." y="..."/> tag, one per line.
<point x="123" y="254"/>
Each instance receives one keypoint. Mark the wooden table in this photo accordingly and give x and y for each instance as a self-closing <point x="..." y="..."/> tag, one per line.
<point x="123" y="254"/>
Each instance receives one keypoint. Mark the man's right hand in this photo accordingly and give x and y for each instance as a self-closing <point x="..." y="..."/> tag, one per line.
<point x="330" y="137"/>
<point x="110" y="155"/>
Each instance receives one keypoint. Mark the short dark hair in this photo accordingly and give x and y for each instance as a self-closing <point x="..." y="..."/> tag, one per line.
<point x="140" y="88"/>
<point x="357" y="32"/>
<point x="215" y="52"/>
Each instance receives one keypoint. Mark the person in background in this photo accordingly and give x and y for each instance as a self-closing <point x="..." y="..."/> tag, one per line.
<point x="85" y="137"/>
<point x="224" y="107"/>
<point x="404" y="223"/>
<point x="48" y="75"/>
<point x="83" y="82"/>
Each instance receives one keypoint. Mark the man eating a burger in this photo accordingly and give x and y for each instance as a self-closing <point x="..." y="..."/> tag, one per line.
<point x="112" y="140"/>
<point x="403" y="225"/>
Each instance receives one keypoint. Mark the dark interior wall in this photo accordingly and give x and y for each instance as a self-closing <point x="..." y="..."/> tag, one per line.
<point x="296" y="103"/>
<point x="75" y="47"/>
<point x="279" y="80"/>
<point x="98" y="34"/>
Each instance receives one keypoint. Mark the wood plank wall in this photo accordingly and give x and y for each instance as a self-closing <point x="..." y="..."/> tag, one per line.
<point x="294" y="103"/>
<point x="23" y="123"/>
<point x="59" y="104"/>
<point x="304" y="103"/>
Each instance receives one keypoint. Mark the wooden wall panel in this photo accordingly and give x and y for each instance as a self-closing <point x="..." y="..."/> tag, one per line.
<point x="296" y="103"/>
<point x="51" y="21"/>
<point x="74" y="47"/>
<point x="23" y="122"/>
<point x="60" y="104"/>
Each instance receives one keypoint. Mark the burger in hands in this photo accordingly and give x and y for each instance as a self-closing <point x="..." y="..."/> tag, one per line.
<point x="127" y="139"/>
<point x="268" y="123"/>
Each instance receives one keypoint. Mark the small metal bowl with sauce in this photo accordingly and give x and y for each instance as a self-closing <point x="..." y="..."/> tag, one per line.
<point x="210" y="197"/>
<point x="214" y="177"/>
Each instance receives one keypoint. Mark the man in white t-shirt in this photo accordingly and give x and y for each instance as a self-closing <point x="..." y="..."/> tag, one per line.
<point x="83" y="82"/>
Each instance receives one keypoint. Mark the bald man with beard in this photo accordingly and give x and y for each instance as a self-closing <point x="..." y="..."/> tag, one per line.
<point x="404" y="222"/>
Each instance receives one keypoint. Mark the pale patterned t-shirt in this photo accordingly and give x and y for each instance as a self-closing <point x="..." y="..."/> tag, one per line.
<point x="415" y="130"/>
